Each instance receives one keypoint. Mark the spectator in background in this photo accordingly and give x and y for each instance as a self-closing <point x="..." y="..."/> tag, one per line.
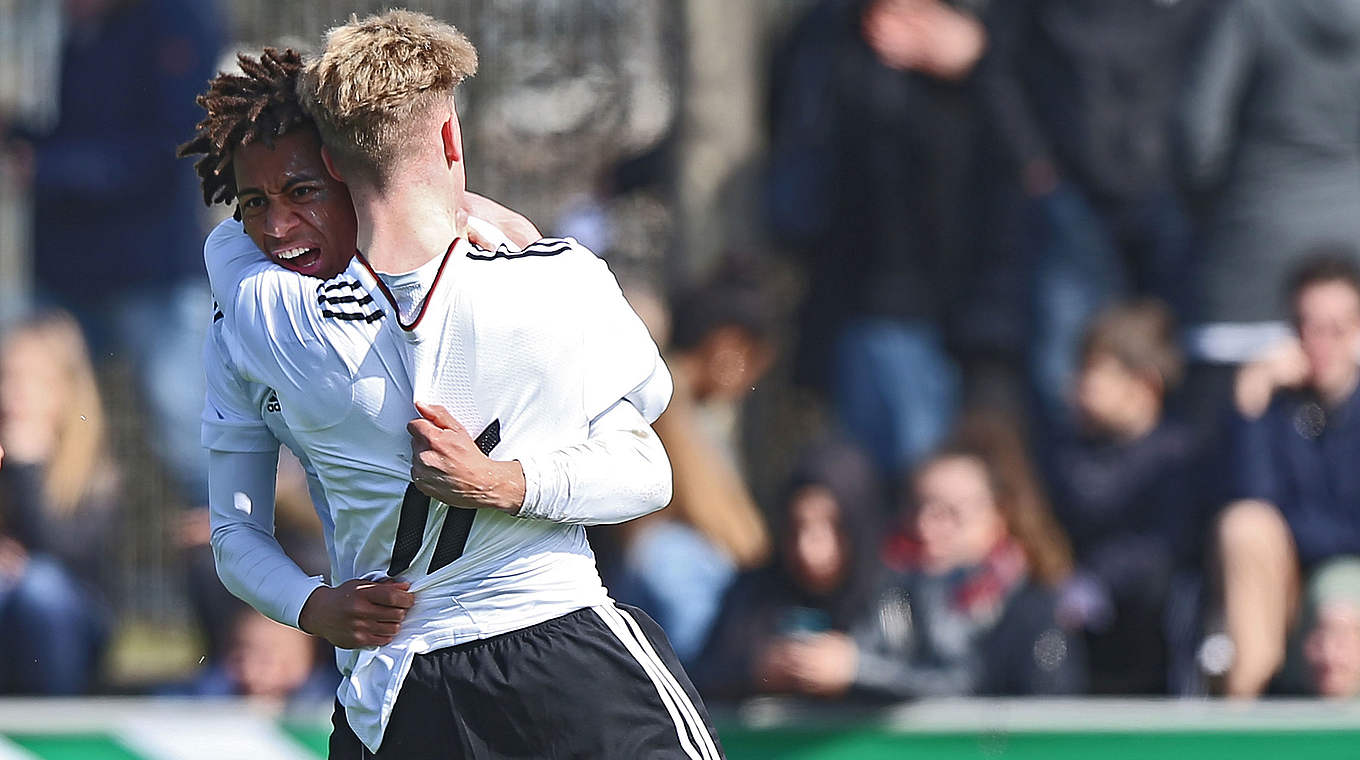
<point x="1124" y="492"/>
<point x="872" y="176"/>
<point x="267" y="660"/>
<point x="1332" y="640"/>
<point x="58" y="514"/>
<point x="808" y="622"/>
<point x="1294" y="486"/>
<point x="980" y="560"/>
<point x="1084" y="92"/>
<point x="677" y="563"/>
<point x="117" y="227"/>
<point x="1270" y="135"/>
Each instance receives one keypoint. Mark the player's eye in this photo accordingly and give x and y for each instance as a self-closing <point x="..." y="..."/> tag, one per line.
<point x="304" y="192"/>
<point x="252" y="203"/>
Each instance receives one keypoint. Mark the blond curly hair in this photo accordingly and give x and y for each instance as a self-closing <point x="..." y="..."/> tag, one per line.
<point x="374" y="81"/>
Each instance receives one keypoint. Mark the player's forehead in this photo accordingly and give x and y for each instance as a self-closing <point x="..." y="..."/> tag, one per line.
<point x="293" y="157"/>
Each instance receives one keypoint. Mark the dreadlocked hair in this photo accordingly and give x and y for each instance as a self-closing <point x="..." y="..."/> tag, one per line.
<point x="257" y="105"/>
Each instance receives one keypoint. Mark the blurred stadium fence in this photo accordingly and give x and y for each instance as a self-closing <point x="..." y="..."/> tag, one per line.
<point x="149" y="729"/>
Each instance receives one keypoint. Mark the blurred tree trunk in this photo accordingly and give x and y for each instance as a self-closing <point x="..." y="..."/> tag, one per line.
<point x="720" y="132"/>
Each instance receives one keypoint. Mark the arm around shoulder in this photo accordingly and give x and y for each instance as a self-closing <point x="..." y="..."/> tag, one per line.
<point x="620" y="473"/>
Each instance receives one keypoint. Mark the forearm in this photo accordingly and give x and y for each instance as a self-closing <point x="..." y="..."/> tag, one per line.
<point x="709" y="493"/>
<point x="620" y="473"/>
<point x="250" y="561"/>
<point x="512" y="224"/>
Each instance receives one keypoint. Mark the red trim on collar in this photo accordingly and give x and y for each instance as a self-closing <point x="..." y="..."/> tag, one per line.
<point x="382" y="286"/>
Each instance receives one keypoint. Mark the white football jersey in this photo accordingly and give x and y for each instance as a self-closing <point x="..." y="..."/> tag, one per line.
<point x="523" y="348"/>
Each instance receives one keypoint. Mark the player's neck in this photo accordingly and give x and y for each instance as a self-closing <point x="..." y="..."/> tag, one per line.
<point x="401" y="231"/>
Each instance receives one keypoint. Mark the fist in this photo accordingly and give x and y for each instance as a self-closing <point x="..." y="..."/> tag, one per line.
<point x="447" y="465"/>
<point x="358" y="613"/>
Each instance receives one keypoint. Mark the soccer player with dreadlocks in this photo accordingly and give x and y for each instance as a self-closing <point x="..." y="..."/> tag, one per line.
<point x="261" y="151"/>
<point x="257" y="132"/>
<point x="319" y="366"/>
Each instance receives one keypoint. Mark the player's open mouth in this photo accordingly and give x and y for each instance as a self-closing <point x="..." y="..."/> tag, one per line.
<point x="299" y="259"/>
<point x="294" y="253"/>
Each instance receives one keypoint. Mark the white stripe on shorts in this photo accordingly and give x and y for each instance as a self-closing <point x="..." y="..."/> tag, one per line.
<point x="646" y="655"/>
<point x="625" y="637"/>
<point x="681" y="696"/>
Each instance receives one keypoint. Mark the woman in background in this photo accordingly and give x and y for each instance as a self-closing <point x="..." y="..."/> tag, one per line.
<point x="980" y="557"/>
<point x="966" y="608"/>
<point x="786" y="627"/>
<point x="57" y="510"/>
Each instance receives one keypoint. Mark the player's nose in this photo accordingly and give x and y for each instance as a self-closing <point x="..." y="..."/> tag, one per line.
<point x="279" y="220"/>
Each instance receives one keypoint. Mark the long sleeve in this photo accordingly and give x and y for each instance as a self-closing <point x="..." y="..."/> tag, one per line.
<point x="1252" y="457"/>
<point x="250" y="561"/>
<point x="621" y="472"/>
<point x="1216" y="84"/>
<point x="243" y="457"/>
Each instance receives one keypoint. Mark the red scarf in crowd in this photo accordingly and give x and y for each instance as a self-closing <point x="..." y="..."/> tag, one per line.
<point x="982" y="590"/>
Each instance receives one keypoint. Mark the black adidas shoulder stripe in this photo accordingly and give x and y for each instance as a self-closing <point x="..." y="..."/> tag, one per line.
<point x="544" y="247"/>
<point x="352" y="316"/>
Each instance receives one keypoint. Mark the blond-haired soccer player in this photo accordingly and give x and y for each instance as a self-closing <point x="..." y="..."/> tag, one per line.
<point x="512" y="647"/>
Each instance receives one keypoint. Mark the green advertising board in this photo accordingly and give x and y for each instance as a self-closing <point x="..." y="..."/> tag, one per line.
<point x="155" y="729"/>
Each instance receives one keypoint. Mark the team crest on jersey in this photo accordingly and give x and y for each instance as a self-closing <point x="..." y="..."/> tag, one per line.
<point x="346" y="299"/>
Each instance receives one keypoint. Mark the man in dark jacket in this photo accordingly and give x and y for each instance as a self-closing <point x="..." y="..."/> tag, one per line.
<point x="1270" y="136"/>
<point x="1083" y="91"/>
<point x="872" y="177"/>
<point x="117" y="230"/>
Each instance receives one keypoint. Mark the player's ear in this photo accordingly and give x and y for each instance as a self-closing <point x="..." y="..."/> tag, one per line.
<point x="329" y="161"/>
<point x="452" y="136"/>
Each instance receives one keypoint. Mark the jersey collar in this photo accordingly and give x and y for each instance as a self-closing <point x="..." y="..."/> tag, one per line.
<point x="376" y="281"/>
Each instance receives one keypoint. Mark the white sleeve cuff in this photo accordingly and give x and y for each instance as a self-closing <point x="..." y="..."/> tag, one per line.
<point x="296" y="598"/>
<point x="543" y="485"/>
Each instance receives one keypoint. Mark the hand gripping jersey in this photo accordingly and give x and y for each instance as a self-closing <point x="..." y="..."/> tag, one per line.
<point x="523" y="348"/>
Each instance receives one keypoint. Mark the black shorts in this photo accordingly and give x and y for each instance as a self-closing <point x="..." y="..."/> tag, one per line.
<point x="600" y="682"/>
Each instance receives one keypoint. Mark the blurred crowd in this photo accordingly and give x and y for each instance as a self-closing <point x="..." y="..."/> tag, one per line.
<point x="1077" y="336"/>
